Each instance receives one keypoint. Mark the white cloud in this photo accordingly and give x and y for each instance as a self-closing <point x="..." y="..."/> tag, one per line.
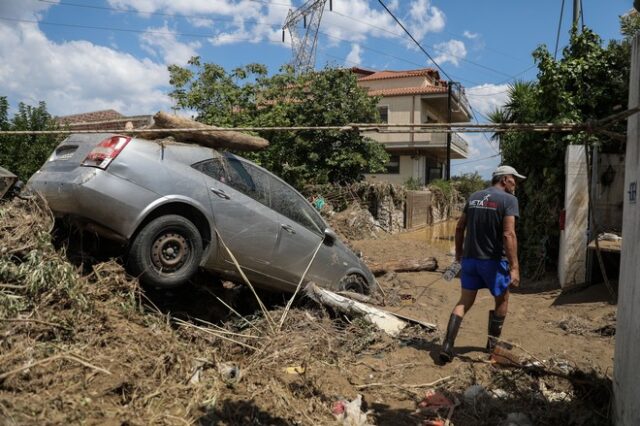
<point x="450" y="51"/>
<point x="486" y="98"/>
<point x="355" y="55"/>
<point x="193" y="8"/>
<point x="163" y="42"/>
<point x="424" y="19"/>
<point x="470" y="35"/>
<point x="74" y="76"/>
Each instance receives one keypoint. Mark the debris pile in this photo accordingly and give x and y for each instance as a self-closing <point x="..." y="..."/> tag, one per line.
<point x="85" y="344"/>
<point x="361" y="210"/>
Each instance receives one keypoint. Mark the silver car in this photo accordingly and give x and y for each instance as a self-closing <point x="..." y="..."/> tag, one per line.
<point x="176" y="206"/>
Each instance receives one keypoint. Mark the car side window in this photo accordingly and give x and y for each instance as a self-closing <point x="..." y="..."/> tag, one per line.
<point x="264" y="188"/>
<point x="240" y="176"/>
<point x="286" y="201"/>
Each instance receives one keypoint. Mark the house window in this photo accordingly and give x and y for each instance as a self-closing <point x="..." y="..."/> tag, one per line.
<point x="434" y="172"/>
<point x="384" y="113"/>
<point x="393" y="166"/>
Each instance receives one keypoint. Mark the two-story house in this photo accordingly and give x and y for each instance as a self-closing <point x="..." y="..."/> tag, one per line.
<point x="415" y="97"/>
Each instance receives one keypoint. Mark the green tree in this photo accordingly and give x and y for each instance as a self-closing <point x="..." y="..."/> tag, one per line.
<point x="247" y="97"/>
<point x="589" y="82"/>
<point x="24" y="154"/>
<point x="468" y="183"/>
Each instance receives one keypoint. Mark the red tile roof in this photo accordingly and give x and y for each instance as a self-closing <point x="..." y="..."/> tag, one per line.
<point x="383" y="75"/>
<point x="107" y="114"/>
<point x="404" y="91"/>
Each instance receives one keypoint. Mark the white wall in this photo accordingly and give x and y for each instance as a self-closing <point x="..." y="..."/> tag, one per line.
<point x="626" y="367"/>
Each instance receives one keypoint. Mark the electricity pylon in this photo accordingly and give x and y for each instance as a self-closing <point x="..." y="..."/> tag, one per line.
<point x="305" y="40"/>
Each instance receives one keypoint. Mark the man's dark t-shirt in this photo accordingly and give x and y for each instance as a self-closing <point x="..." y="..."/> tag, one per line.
<point x="485" y="212"/>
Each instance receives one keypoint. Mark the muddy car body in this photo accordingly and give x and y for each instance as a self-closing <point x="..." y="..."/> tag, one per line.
<point x="176" y="205"/>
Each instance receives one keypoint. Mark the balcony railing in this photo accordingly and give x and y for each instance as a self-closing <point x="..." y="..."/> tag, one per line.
<point x="460" y="142"/>
<point x="456" y="141"/>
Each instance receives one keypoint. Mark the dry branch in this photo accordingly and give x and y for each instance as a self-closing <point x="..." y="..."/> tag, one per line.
<point x="211" y="137"/>
<point x="50" y="359"/>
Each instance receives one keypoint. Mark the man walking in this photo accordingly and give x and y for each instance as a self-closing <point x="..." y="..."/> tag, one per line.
<point x="487" y="248"/>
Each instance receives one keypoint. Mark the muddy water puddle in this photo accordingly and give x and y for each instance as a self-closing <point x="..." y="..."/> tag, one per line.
<point x="440" y="235"/>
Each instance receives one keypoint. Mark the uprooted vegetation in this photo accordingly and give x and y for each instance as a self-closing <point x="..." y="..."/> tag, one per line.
<point x="86" y="344"/>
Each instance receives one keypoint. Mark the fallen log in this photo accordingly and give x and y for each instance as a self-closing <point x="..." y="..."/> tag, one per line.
<point x="386" y="321"/>
<point x="415" y="265"/>
<point x="212" y="137"/>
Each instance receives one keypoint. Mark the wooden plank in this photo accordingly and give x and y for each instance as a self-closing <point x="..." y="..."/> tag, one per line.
<point x="608" y="246"/>
<point x="418" y="209"/>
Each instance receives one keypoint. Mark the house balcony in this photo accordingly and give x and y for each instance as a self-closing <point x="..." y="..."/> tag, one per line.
<point x="432" y="144"/>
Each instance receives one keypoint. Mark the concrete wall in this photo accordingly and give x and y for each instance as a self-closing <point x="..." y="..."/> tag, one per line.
<point x="409" y="167"/>
<point x="573" y="239"/>
<point x="400" y="108"/>
<point x="626" y="383"/>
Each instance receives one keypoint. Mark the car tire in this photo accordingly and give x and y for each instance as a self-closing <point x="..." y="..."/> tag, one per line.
<point x="355" y="283"/>
<point x="166" y="253"/>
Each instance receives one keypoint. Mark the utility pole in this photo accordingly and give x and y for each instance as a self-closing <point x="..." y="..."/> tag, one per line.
<point x="451" y="95"/>
<point x="448" y="171"/>
<point x="576" y="12"/>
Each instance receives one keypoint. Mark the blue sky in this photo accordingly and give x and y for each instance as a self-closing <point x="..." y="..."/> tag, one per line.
<point x="86" y="55"/>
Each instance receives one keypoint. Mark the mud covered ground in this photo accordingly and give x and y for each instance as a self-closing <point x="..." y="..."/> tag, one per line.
<point x="83" y="343"/>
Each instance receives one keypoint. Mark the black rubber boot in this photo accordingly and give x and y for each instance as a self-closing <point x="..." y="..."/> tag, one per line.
<point x="495" y="330"/>
<point x="446" y="354"/>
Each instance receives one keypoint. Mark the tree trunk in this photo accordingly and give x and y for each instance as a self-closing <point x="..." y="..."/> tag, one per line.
<point x="386" y="321"/>
<point x="428" y="264"/>
<point x="212" y="138"/>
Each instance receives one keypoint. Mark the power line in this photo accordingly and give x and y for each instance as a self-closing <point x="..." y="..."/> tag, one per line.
<point x="261" y="23"/>
<point x="461" y="58"/>
<point x="126" y="10"/>
<point x="475" y="161"/>
<point x="475" y="95"/>
<point x="131" y="30"/>
<point x="414" y="40"/>
<point x="483" y="134"/>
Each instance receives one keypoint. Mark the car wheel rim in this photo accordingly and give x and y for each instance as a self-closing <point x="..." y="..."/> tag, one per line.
<point x="169" y="252"/>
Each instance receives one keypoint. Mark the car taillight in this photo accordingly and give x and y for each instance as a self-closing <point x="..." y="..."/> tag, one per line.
<point x="106" y="151"/>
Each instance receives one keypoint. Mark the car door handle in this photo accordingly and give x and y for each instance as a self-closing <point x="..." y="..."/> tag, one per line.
<point x="288" y="228"/>
<point x="220" y="193"/>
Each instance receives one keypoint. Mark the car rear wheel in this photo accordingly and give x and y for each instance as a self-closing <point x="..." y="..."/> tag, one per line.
<point x="355" y="283"/>
<point x="166" y="252"/>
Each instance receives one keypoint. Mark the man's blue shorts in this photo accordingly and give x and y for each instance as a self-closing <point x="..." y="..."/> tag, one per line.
<point x="485" y="273"/>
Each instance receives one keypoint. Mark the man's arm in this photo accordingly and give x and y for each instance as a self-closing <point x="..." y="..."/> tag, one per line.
<point x="511" y="248"/>
<point x="460" y="227"/>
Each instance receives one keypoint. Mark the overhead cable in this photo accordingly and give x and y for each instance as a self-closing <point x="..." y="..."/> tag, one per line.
<point x="414" y="40"/>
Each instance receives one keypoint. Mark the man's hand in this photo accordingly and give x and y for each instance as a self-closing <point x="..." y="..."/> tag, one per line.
<point x="459" y="239"/>
<point x="515" y="277"/>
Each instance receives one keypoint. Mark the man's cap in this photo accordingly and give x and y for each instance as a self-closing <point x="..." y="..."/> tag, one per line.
<point x="507" y="170"/>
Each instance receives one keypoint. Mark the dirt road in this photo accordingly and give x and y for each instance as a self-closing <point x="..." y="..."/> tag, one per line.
<point x="546" y="323"/>
<point x="573" y="328"/>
